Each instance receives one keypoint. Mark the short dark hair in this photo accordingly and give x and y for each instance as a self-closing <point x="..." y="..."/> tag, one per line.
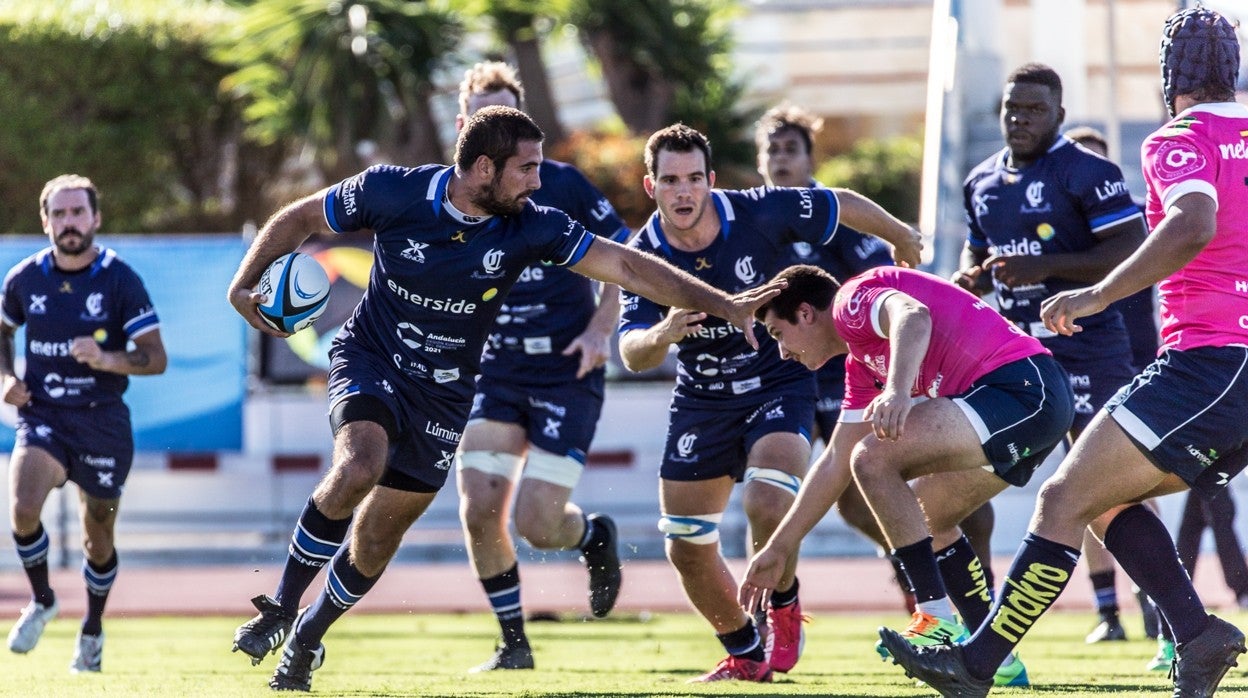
<point x="486" y="77"/>
<point x="1083" y="134"/>
<point x="494" y="132"/>
<point x="677" y="138"/>
<point x="807" y="284"/>
<point x="1038" y="74"/>
<point x="69" y="181"/>
<point x="788" y="117"/>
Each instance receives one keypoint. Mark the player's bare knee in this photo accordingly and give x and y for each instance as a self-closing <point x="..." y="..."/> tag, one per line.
<point x="24" y="515"/>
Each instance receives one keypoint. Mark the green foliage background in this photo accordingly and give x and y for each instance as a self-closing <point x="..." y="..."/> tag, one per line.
<point x="122" y="93"/>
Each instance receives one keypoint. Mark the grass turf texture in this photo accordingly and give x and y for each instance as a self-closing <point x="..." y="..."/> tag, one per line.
<point x="427" y="655"/>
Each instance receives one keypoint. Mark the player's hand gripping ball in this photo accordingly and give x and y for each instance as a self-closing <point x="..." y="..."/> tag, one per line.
<point x="296" y="289"/>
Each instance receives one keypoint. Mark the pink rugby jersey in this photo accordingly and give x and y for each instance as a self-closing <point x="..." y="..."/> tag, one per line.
<point x="969" y="338"/>
<point x="1204" y="150"/>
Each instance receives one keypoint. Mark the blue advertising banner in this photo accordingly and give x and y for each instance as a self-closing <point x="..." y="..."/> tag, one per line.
<point x="197" y="404"/>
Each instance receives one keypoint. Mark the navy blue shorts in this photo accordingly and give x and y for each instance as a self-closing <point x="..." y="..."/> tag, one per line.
<point x="95" y="444"/>
<point x="1094" y="380"/>
<point x="424" y="429"/>
<point x="830" y="380"/>
<point x="707" y="441"/>
<point x="1188" y="412"/>
<point x="1021" y="412"/>
<point x="558" y="419"/>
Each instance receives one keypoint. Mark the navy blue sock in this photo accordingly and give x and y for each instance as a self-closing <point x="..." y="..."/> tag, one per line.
<point x="1105" y="588"/>
<point x="1037" y="577"/>
<point x="744" y="642"/>
<point x="1143" y="547"/>
<point x="919" y="563"/>
<point x="345" y="585"/>
<point x="99" y="581"/>
<point x="788" y="597"/>
<point x="968" y="586"/>
<point x="503" y="591"/>
<point x="314" y="542"/>
<point x="32" y="550"/>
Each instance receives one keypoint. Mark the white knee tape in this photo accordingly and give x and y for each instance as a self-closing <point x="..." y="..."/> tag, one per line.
<point x="557" y="470"/>
<point x="776" y="478"/>
<point x="489" y="462"/>
<point x="702" y="530"/>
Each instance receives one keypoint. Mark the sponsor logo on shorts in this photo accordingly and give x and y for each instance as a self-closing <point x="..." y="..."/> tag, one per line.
<point x="100" y="461"/>
<point x="1205" y="460"/>
<point x="436" y="430"/>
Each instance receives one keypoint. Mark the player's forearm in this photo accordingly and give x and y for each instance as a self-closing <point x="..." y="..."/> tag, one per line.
<point x="7" y="354"/>
<point x="863" y="214"/>
<point x="607" y="315"/>
<point x="1093" y="265"/>
<point x="282" y="233"/>
<point x="910" y="332"/>
<point x="642" y="350"/>
<point x="135" y="362"/>
<point x="823" y="486"/>
<point x="1188" y="227"/>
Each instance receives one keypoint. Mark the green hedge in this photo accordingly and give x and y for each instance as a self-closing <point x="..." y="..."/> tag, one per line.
<point x="121" y="92"/>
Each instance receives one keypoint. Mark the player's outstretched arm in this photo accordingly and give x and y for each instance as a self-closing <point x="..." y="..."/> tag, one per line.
<point x="659" y="281"/>
<point x="861" y="213"/>
<point x="824" y="484"/>
<point x="284" y="232"/>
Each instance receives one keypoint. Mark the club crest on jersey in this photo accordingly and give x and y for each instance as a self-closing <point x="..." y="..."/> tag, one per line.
<point x="1175" y="160"/>
<point x="1035" y="199"/>
<point x="744" y="269"/>
<point x="492" y="263"/>
<point x="38" y="304"/>
<point x="95" y="307"/>
<point x="415" y="251"/>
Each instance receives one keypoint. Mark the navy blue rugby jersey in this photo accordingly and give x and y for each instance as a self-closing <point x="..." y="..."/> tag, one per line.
<point x="437" y="282"/>
<point x="550" y="305"/>
<point x="1056" y="204"/>
<point x="105" y="301"/>
<point x="758" y="229"/>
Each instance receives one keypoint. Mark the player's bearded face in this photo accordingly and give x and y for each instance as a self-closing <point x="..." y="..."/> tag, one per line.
<point x="512" y="185"/>
<point x="70" y="222"/>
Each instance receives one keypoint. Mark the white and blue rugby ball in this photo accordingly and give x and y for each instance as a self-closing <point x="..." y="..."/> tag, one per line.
<point x="296" y="289"/>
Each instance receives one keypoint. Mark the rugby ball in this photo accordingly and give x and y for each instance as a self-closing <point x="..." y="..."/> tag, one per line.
<point x="296" y="291"/>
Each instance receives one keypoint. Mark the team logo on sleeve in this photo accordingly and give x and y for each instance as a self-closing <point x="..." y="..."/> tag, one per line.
<point x="1175" y="160"/>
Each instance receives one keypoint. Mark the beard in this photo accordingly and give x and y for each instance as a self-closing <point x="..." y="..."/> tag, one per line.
<point x="72" y="241"/>
<point x="489" y="201"/>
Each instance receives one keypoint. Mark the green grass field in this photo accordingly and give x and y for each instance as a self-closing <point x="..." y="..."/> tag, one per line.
<point x="427" y="655"/>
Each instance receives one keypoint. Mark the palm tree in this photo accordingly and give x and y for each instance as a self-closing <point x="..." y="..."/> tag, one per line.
<point x="652" y="49"/>
<point x="339" y="74"/>
<point x="515" y="23"/>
